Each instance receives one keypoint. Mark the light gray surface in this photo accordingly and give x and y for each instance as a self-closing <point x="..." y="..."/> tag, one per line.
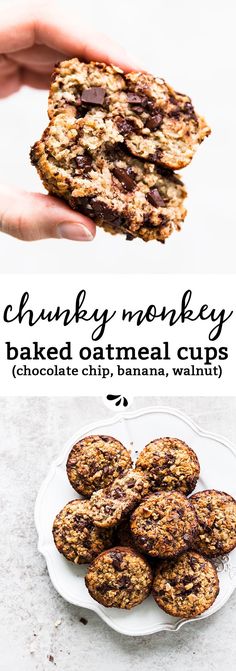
<point x="32" y="432"/>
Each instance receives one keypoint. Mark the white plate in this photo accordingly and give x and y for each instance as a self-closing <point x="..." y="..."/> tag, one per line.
<point x="135" y="429"/>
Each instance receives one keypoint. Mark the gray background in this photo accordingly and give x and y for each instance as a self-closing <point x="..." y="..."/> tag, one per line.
<point x="32" y="433"/>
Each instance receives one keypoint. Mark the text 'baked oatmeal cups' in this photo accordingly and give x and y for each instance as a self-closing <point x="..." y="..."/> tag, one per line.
<point x="112" y="145"/>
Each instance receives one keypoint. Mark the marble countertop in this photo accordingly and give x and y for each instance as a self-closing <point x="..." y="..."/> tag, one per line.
<point x="38" y="629"/>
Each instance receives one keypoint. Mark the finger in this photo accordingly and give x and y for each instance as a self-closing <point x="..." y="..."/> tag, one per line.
<point x="34" y="216"/>
<point x="39" y="58"/>
<point x="22" y="25"/>
<point x="65" y="31"/>
<point x="9" y="85"/>
<point x="35" y="79"/>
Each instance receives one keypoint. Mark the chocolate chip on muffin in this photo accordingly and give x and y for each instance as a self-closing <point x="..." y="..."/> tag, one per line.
<point x="170" y="464"/>
<point x="164" y="524"/>
<point x="95" y="461"/>
<point x="216" y="515"/>
<point x="186" y="586"/>
<point x="110" y="505"/>
<point x="119" y="578"/>
<point x="75" y="534"/>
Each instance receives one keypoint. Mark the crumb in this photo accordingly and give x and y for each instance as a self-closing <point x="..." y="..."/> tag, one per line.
<point x="51" y="658"/>
<point x="57" y="623"/>
<point x="83" y="620"/>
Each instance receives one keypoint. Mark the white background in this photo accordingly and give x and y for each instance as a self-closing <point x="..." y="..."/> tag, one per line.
<point x="218" y="293"/>
<point x="193" y="47"/>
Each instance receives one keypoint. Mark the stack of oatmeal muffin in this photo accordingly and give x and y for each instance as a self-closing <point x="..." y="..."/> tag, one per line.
<point x="112" y="145"/>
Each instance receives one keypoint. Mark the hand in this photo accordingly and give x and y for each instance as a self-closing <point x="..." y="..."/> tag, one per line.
<point x="33" y="37"/>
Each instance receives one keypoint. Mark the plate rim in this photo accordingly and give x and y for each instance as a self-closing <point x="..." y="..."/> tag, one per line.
<point x="85" y="429"/>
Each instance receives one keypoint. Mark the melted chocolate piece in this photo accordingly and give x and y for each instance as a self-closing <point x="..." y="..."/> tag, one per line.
<point x="117" y="558"/>
<point x="124" y="582"/>
<point x="94" y="95"/>
<point x="104" y="587"/>
<point x="137" y="109"/>
<point x="126" y="126"/>
<point x="154" y="198"/>
<point x="135" y="99"/>
<point x="84" y="162"/>
<point x="154" y="122"/>
<point x="102" y="210"/>
<point x="124" y="178"/>
<point x="118" y="493"/>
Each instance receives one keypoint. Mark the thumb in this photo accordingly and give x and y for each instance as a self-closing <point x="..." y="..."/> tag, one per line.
<point x="34" y="216"/>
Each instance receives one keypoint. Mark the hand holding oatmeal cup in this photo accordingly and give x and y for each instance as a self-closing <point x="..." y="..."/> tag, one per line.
<point x="33" y="37"/>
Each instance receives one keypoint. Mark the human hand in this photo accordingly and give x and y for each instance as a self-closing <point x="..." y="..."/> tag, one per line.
<point x="33" y="37"/>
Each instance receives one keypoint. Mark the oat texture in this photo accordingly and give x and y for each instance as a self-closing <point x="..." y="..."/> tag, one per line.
<point x="112" y="144"/>
<point x="216" y="514"/>
<point x="119" y="578"/>
<point x="75" y="534"/>
<point x="111" y="504"/>
<point x="186" y="586"/>
<point x="153" y="121"/>
<point x="170" y="464"/>
<point x="95" y="461"/>
<point x="164" y="524"/>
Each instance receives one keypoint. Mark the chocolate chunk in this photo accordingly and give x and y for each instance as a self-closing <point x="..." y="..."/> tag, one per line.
<point x="79" y="522"/>
<point x="124" y="582"/>
<point x="125" y="179"/>
<point x="154" y="198"/>
<point x="189" y="111"/>
<point x="137" y="109"/>
<point x="176" y="112"/>
<point x="83" y="620"/>
<point x="154" y="122"/>
<point x="104" y="587"/>
<point x="156" y="156"/>
<point x="130" y="483"/>
<point x="118" y="493"/>
<point x="84" y="162"/>
<point x="118" y="221"/>
<point x="129" y="236"/>
<point x="116" y="560"/>
<point x="126" y="126"/>
<point x="151" y="105"/>
<point x="108" y="509"/>
<point x="102" y="210"/>
<point x="94" y="96"/>
<point x="135" y="99"/>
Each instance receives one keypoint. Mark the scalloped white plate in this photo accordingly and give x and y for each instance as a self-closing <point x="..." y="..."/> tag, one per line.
<point x="135" y="429"/>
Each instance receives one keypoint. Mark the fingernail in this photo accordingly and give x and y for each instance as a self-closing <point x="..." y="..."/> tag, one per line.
<point x="74" y="232"/>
